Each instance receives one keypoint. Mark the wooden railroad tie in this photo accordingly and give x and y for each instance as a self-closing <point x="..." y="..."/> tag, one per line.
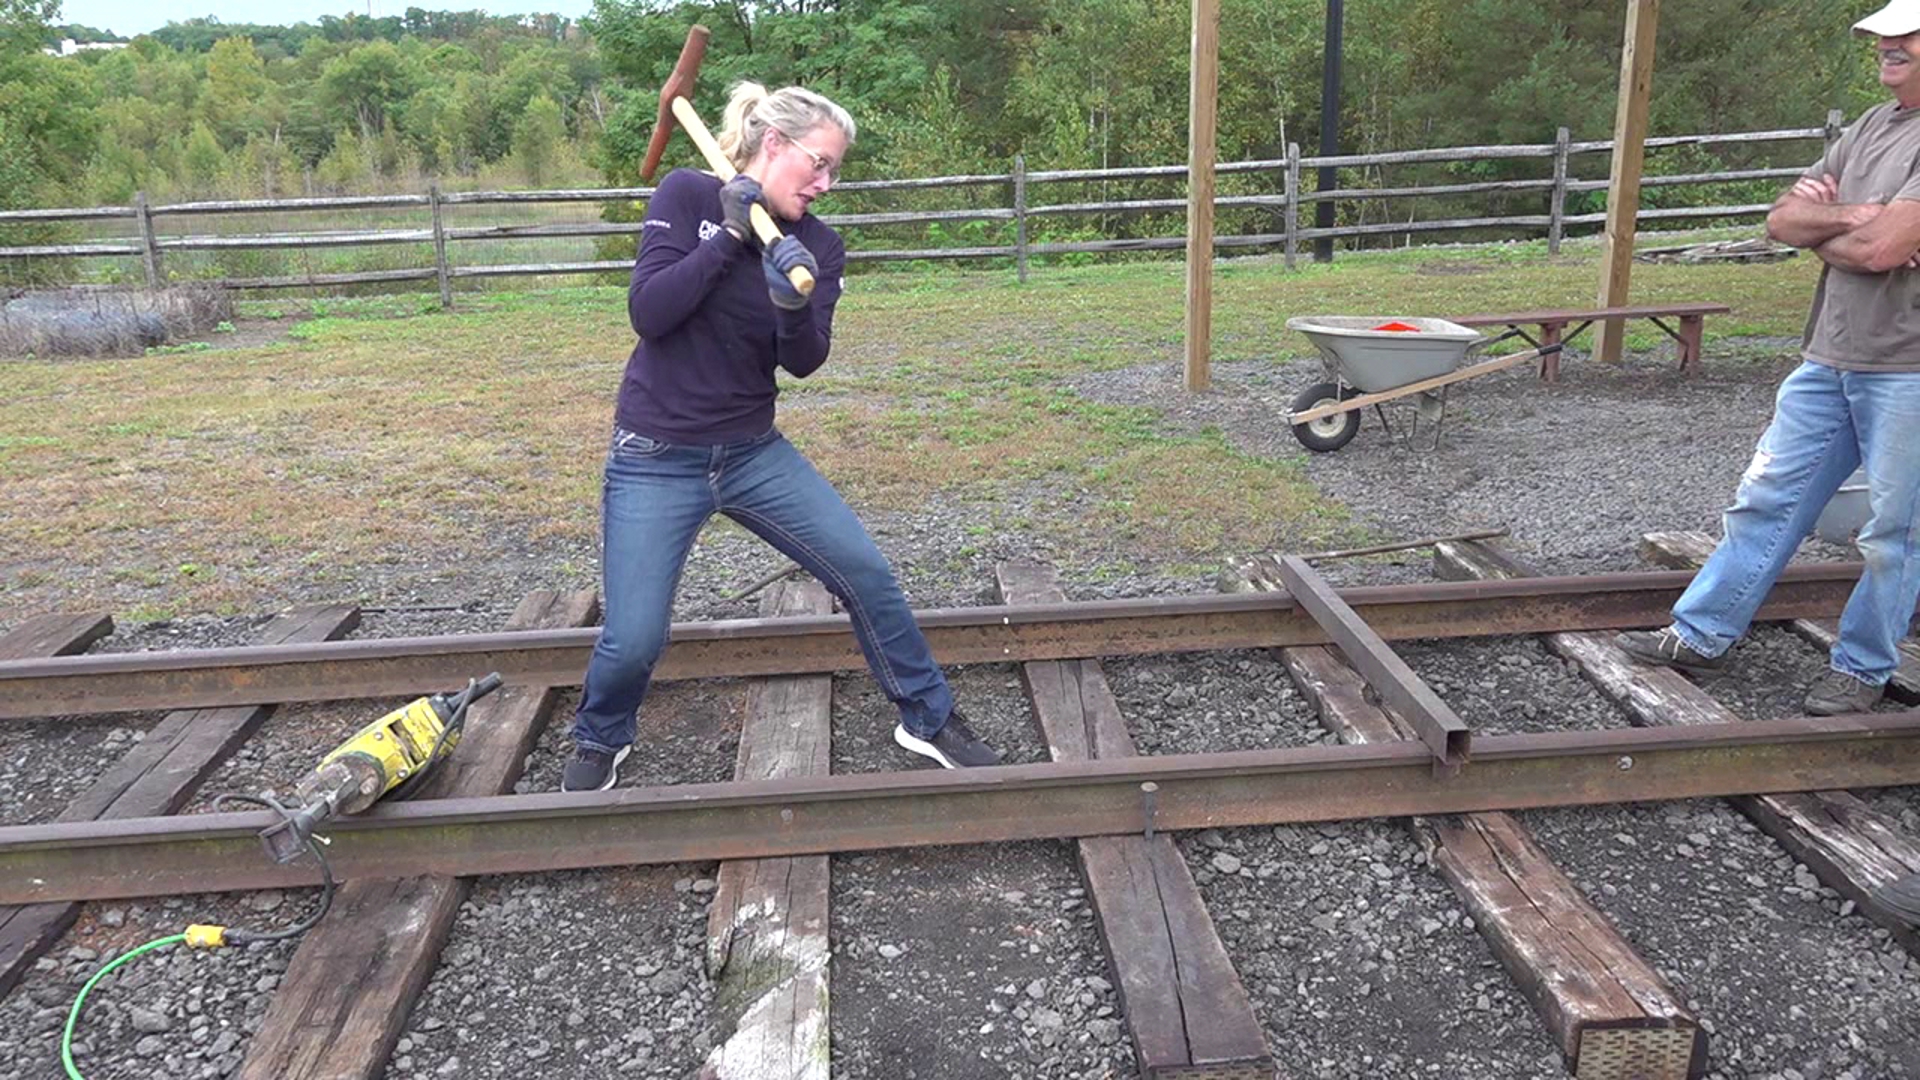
<point x="159" y="774"/>
<point x="1187" y="1010"/>
<point x="347" y="993"/>
<point x="1611" y="1014"/>
<point x="767" y="947"/>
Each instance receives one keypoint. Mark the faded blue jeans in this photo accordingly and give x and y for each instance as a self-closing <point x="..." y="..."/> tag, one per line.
<point x="655" y="498"/>
<point x="1826" y="423"/>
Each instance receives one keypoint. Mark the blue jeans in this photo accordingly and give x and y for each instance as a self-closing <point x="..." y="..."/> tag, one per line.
<point x="655" y="499"/>
<point x="1826" y="423"/>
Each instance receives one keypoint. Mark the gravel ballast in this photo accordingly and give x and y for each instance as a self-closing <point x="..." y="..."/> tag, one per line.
<point x="987" y="961"/>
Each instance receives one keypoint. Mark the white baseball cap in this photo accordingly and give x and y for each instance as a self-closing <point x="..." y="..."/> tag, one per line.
<point x="1898" y="19"/>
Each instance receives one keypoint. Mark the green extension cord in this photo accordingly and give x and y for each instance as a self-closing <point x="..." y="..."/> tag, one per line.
<point x="73" y="1017"/>
<point x="200" y="936"/>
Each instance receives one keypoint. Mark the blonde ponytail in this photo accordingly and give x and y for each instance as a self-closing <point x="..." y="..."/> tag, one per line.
<point x="751" y="110"/>
<point x="740" y="129"/>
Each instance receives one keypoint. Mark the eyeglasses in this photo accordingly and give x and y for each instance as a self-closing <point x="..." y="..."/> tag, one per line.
<point x="822" y="165"/>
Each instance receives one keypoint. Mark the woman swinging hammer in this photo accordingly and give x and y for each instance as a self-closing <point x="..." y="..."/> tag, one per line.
<point x="694" y="433"/>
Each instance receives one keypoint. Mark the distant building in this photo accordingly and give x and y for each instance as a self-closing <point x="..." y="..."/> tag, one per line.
<point x="70" y="47"/>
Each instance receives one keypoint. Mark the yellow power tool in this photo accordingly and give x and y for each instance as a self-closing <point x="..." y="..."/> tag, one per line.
<point x="391" y="753"/>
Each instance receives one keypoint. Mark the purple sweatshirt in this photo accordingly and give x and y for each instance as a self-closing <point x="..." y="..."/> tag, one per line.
<point x="710" y="338"/>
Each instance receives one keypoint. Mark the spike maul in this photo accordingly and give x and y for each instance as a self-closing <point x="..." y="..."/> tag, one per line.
<point x="391" y="754"/>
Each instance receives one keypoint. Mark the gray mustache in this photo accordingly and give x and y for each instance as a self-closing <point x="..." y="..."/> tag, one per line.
<point x="1895" y="55"/>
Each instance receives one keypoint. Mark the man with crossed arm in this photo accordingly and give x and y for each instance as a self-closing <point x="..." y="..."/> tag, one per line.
<point x="1853" y="401"/>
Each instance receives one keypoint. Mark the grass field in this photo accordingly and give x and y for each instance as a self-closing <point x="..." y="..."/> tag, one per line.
<point x="375" y="429"/>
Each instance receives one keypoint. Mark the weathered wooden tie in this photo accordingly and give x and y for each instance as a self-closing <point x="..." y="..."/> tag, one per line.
<point x="1187" y="1011"/>
<point x="767" y="949"/>
<point x="54" y="635"/>
<point x="351" y="985"/>
<point x="159" y="774"/>
<point x="1689" y="551"/>
<point x="1848" y="846"/>
<point x="1612" y="1016"/>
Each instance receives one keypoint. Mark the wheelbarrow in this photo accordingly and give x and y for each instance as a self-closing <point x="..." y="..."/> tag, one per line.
<point x="1370" y="361"/>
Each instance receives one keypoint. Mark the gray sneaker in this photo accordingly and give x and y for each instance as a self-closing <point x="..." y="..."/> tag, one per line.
<point x="593" y="770"/>
<point x="1665" y="648"/>
<point x="954" y="746"/>
<point x="1838" y="693"/>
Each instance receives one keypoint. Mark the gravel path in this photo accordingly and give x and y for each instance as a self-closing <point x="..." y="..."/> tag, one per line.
<point x="985" y="962"/>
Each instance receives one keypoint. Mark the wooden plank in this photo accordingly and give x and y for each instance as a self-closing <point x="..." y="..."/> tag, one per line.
<point x="1623" y="184"/>
<point x="158" y="775"/>
<point x="1848" y="846"/>
<point x="1597" y="997"/>
<point x="1405" y="693"/>
<point x="1689" y="551"/>
<point x="1562" y="315"/>
<point x="1612" y="1012"/>
<point x="27" y="932"/>
<point x="1187" y="1010"/>
<point x="346" y="994"/>
<point x="1203" y="109"/>
<point x="54" y="635"/>
<point x="767" y="948"/>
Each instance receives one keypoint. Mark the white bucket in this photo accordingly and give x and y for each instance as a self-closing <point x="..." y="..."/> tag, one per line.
<point x="1846" y="513"/>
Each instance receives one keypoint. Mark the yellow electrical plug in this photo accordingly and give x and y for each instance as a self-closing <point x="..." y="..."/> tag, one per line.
<point x="201" y="936"/>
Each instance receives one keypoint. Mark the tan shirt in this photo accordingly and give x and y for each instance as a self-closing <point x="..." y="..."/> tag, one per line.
<point x="1870" y="322"/>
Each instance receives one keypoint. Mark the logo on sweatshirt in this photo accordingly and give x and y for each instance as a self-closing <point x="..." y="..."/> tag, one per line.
<point x="708" y="230"/>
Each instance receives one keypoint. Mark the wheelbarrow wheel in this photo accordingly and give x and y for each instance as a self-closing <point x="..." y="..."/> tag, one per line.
<point x="1329" y="433"/>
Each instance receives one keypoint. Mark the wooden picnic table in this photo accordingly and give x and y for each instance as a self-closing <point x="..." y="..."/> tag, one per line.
<point x="1553" y="327"/>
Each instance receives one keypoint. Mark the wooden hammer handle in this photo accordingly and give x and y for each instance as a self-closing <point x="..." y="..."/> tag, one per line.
<point x="763" y="225"/>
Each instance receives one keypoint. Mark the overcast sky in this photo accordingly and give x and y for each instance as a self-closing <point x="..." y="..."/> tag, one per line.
<point x="130" y="17"/>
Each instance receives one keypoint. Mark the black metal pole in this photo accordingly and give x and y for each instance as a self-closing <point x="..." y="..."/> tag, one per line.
<point x="1329" y="125"/>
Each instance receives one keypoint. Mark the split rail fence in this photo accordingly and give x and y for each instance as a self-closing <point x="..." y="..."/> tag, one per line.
<point x="145" y="241"/>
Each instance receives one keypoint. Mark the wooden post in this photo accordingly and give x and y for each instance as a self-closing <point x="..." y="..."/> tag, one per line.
<point x="1836" y="123"/>
<point x="1020" y="214"/>
<point x="1629" y="153"/>
<point x="1557" y="210"/>
<point x="149" y="247"/>
<point x="441" y="272"/>
<point x="1293" y="204"/>
<point x="1201" y="111"/>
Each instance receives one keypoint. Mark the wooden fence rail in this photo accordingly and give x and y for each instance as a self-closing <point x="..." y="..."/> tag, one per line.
<point x="146" y="243"/>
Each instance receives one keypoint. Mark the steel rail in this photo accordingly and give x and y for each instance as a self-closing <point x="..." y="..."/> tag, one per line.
<point x="1396" y="684"/>
<point x="116" y="859"/>
<point x="206" y="678"/>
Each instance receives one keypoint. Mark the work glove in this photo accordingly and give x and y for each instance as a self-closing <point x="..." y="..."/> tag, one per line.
<point x="737" y="197"/>
<point x="784" y="255"/>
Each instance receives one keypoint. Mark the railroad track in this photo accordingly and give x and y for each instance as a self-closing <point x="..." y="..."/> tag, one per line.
<point x="775" y="829"/>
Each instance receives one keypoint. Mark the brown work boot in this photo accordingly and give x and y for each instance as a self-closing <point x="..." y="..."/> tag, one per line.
<point x="1838" y="693"/>
<point x="1664" y="647"/>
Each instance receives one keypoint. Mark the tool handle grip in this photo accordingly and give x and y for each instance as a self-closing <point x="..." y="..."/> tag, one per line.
<point x="763" y="224"/>
<point x="769" y="234"/>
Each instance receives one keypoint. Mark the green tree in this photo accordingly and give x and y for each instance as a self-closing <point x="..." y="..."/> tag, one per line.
<point x="204" y="160"/>
<point x="49" y="104"/>
<point x="25" y="24"/>
<point x="346" y="167"/>
<point x="364" y="85"/>
<point x="239" y="99"/>
<point x="538" y="139"/>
